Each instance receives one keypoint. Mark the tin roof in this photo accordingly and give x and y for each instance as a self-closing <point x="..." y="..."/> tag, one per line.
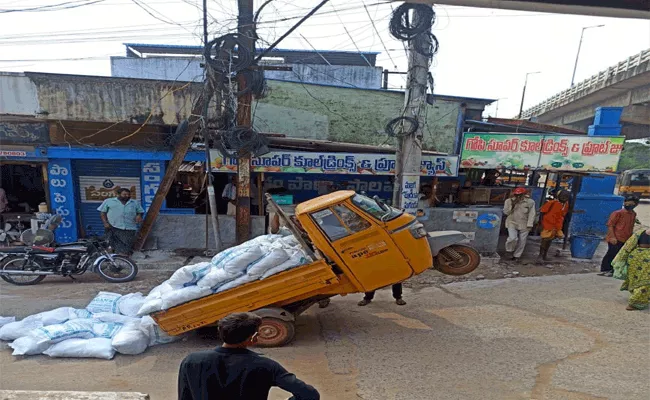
<point x="323" y="201"/>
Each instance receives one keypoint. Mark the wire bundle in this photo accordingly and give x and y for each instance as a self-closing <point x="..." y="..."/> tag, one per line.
<point x="243" y="140"/>
<point x="400" y="121"/>
<point x="238" y="59"/>
<point x="415" y="27"/>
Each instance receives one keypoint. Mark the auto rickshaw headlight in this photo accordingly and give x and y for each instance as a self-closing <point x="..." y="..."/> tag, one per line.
<point x="418" y="231"/>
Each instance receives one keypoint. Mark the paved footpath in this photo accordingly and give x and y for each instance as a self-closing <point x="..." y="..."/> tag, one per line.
<point x="560" y="337"/>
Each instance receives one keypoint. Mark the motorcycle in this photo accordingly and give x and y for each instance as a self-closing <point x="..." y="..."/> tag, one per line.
<point x="31" y="264"/>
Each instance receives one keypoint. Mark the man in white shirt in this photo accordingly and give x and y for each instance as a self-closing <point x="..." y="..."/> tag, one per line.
<point x="520" y="211"/>
<point x="230" y="195"/>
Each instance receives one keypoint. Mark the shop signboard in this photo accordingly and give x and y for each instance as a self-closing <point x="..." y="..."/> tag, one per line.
<point x="10" y="152"/>
<point x="548" y="152"/>
<point x="335" y="163"/>
<point x="96" y="189"/>
<point x="581" y="153"/>
<point x="62" y="199"/>
<point x="496" y="151"/>
<point x="152" y="175"/>
<point x="410" y="194"/>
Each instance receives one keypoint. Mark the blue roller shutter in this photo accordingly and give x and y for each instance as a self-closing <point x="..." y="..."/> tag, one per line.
<point x="96" y="180"/>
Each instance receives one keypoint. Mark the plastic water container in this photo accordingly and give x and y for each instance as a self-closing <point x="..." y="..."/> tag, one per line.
<point x="608" y="115"/>
<point x="584" y="246"/>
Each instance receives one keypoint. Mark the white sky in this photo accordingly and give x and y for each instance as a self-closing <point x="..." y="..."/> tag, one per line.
<point x="483" y="53"/>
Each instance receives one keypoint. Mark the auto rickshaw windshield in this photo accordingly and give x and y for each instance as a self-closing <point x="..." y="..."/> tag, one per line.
<point x="371" y="207"/>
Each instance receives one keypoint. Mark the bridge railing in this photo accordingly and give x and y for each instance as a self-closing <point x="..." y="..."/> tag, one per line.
<point x="588" y="85"/>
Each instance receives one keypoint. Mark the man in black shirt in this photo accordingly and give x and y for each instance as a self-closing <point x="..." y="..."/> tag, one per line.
<point x="232" y="372"/>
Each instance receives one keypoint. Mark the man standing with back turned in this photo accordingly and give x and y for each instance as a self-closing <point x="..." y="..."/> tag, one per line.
<point x="232" y="372"/>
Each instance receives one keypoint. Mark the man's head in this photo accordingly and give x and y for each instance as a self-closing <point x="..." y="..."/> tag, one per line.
<point x="426" y="190"/>
<point x="123" y="194"/>
<point x="233" y="179"/>
<point x="630" y="203"/>
<point x="563" y="196"/>
<point x="239" y="329"/>
<point x="519" y="192"/>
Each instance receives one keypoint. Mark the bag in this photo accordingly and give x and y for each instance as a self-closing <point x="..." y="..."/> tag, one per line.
<point x="155" y="334"/>
<point x="183" y="295"/>
<point x="297" y="258"/>
<point x="237" y="282"/>
<point x="272" y="259"/>
<point x="104" y="302"/>
<point x="5" y="320"/>
<point x="82" y="313"/>
<point x="240" y="260"/>
<point x="189" y="275"/>
<point x="106" y="330"/>
<point x="14" y="330"/>
<point x="84" y="348"/>
<point x="115" y="318"/>
<point x="129" y="304"/>
<point x="76" y="329"/>
<point x="217" y="277"/>
<point x="27" y="346"/>
<point x="150" y="306"/>
<point x="131" y="339"/>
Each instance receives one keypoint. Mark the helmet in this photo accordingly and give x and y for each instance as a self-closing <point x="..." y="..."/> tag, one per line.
<point x="519" y="191"/>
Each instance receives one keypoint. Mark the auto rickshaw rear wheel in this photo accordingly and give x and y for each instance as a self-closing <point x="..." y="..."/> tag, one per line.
<point x="275" y="332"/>
<point x="457" y="259"/>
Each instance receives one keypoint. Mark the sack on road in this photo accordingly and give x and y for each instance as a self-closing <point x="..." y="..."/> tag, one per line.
<point x="76" y="329"/>
<point x="115" y="318"/>
<point x="5" y="320"/>
<point x="27" y="346"/>
<point x="14" y="330"/>
<point x="129" y="304"/>
<point x="104" y="302"/>
<point x="131" y="339"/>
<point x="83" y="348"/>
<point x="156" y="335"/>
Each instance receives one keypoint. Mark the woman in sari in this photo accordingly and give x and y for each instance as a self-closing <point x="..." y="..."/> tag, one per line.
<point x="632" y="265"/>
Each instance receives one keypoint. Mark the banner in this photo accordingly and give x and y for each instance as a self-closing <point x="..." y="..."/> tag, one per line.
<point x="334" y="163"/>
<point x="96" y="189"/>
<point x="549" y="152"/>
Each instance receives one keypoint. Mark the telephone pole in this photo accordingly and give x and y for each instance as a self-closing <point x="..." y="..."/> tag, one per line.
<point x="246" y="32"/>
<point x="409" y="146"/>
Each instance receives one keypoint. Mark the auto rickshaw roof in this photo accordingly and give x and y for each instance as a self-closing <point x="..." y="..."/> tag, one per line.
<point x="323" y="201"/>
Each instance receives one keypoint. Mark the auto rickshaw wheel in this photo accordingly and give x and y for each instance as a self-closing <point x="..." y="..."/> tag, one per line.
<point x="457" y="259"/>
<point x="275" y="332"/>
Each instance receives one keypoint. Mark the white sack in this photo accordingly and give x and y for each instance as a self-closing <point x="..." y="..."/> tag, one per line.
<point x="238" y="261"/>
<point x="272" y="259"/>
<point x="27" y="346"/>
<point x="189" y="275"/>
<point x="85" y="348"/>
<point x="131" y="339"/>
<point x="129" y="304"/>
<point x="289" y="241"/>
<point x="237" y="282"/>
<point x="75" y="329"/>
<point x="106" y="330"/>
<point x="82" y="313"/>
<point x="159" y="290"/>
<point x="151" y="306"/>
<point x="217" y="277"/>
<point x="297" y="258"/>
<point x="155" y="334"/>
<point x="5" y="320"/>
<point x="180" y="296"/>
<point x="14" y="330"/>
<point x="56" y="316"/>
<point x="115" y="318"/>
<point x="104" y="302"/>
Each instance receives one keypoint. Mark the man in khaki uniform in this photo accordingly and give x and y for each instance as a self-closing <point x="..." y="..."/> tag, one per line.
<point x="520" y="212"/>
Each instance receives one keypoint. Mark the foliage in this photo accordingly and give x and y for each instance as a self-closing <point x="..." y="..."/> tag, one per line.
<point x="635" y="155"/>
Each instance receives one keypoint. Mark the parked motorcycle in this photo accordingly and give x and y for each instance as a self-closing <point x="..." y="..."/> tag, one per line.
<point x="30" y="265"/>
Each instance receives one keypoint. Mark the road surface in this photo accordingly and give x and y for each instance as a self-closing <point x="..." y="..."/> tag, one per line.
<point x="558" y="337"/>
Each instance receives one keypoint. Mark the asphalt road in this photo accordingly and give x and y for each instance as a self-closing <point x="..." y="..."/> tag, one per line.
<point x="560" y="337"/>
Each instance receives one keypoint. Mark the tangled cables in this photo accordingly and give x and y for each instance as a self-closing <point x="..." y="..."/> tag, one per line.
<point x="414" y="22"/>
<point x="243" y="140"/>
<point x="226" y="58"/>
<point x="401" y="122"/>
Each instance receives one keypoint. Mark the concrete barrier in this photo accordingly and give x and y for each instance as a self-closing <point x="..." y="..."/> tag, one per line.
<point x="51" y="395"/>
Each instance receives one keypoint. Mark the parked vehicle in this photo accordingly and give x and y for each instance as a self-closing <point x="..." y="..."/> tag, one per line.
<point x="29" y="265"/>
<point x="635" y="182"/>
<point x="358" y="244"/>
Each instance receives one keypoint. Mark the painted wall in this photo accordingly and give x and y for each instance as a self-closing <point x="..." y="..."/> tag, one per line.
<point x="356" y="116"/>
<point x="18" y="94"/>
<point x="188" y="69"/>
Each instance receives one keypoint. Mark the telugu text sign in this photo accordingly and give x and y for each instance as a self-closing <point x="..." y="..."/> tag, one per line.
<point x="335" y="163"/>
<point x="550" y="152"/>
<point x="96" y="189"/>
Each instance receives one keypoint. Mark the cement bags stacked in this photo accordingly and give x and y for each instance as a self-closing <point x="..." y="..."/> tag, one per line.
<point x="256" y="259"/>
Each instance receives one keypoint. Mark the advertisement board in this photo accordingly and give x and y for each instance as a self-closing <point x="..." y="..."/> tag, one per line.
<point x="334" y="163"/>
<point x="96" y="189"/>
<point x="536" y="151"/>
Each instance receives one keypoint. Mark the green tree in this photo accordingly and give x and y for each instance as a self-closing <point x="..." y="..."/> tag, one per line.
<point x="635" y="155"/>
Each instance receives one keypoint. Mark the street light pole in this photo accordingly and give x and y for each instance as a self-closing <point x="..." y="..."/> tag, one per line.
<point x="575" y="66"/>
<point x="496" y="111"/>
<point x="523" y="93"/>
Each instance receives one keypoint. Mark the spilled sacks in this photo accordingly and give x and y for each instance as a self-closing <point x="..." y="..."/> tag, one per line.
<point x="113" y="323"/>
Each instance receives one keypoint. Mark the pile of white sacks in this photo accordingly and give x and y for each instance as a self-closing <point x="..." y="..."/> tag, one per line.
<point x="121" y="323"/>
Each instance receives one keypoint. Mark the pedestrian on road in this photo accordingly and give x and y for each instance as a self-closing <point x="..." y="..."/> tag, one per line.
<point x="620" y="227"/>
<point x="121" y="216"/>
<point x="520" y="211"/>
<point x="232" y="372"/>
<point x="632" y="265"/>
<point x="397" y="295"/>
<point x="230" y="195"/>
<point x="553" y="213"/>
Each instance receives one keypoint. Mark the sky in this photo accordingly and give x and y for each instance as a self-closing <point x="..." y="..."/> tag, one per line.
<point x="483" y="52"/>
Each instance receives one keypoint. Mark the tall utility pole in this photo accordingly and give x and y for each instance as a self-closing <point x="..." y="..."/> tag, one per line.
<point x="575" y="66"/>
<point x="409" y="147"/>
<point x="523" y="93"/>
<point x="244" y="119"/>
